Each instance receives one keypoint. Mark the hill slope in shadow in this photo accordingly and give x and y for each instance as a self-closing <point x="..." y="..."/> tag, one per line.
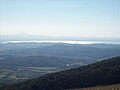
<point x="105" y="72"/>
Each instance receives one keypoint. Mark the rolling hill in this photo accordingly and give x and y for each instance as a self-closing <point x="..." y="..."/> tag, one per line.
<point x="27" y="60"/>
<point x="105" y="72"/>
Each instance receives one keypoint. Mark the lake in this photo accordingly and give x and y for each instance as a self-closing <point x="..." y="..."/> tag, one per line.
<point x="69" y="42"/>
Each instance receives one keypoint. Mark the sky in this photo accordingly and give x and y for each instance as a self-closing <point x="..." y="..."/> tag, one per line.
<point x="81" y="18"/>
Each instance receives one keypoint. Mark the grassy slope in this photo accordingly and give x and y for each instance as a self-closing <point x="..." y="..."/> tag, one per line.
<point x="109" y="87"/>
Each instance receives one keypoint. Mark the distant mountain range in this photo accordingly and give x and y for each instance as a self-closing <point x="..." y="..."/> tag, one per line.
<point x="105" y="72"/>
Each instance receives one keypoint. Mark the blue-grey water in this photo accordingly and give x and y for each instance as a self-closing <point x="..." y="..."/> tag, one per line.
<point x="69" y="42"/>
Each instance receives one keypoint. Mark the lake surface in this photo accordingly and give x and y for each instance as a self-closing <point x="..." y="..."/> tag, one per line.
<point x="69" y="42"/>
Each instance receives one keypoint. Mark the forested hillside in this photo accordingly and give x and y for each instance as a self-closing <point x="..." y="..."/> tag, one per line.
<point x="105" y="72"/>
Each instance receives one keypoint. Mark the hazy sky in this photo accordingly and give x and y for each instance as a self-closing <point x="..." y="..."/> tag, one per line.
<point x="84" y="18"/>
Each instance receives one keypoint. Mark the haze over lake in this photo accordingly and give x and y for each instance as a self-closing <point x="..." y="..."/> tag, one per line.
<point x="68" y="42"/>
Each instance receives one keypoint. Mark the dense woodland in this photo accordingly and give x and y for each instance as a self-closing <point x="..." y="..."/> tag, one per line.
<point x="105" y="72"/>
